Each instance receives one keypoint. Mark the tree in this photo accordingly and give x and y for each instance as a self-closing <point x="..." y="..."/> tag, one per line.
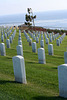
<point x="29" y="17"/>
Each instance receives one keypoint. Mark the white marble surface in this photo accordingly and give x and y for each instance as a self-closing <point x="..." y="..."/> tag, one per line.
<point x="37" y="40"/>
<point x="30" y="42"/>
<point x="50" y="49"/>
<point x="2" y="38"/>
<point x="65" y="57"/>
<point x="2" y="49"/>
<point x="19" y="69"/>
<point x="19" y="50"/>
<point x="10" y="39"/>
<point x="34" y="47"/>
<point x="8" y="43"/>
<point x="19" y="42"/>
<point x="62" y="78"/>
<point x="5" y="35"/>
<point x="47" y="41"/>
<point x="41" y="56"/>
<point x="42" y="43"/>
<point x="58" y="42"/>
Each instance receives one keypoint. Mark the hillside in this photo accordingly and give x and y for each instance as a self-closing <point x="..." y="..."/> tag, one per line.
<point x="42" y="79"/>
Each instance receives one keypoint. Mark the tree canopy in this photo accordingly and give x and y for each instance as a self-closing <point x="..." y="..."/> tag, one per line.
<point x="29" y="17"/>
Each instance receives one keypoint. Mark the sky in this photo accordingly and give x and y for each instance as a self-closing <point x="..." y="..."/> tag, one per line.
<point x="8" y="7"/>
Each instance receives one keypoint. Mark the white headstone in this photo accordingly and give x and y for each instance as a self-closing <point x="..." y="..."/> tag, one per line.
<point x="2" y="49"/>
<point x="5" y="35"/>
<point x="19" y="69"/>
<point x="41" y="32"/>
<point x="65" y="57"/>
<point x="47" y="41"/>
<point x="50" y="49"/>
<point x="8" y="43"/>
<point x="10" y="39"/>
<point x="19" y="50"/>
<point x="19" y="38"/>
<point x="19" y="42"/>
<point x="48" y="35"/>
<point x="34" y="48"/>
<point x="41" y="37"/>
<point x="37" y="40"/>
<point x="20" y="33"/>
<point x="58" y="42"/>
<point x="30" y="42"/>
<point x="33" y="37"/>
<point x="28" y="38"/>
<point x="41" y="56"/>
<point x="38" y="35"/>
<point x="50" y="38"/>
<point x="2" y="38"/>
<point x="42" y="43"/>
<point x="45" y="35"/>
<point x="12" y="36"/>
<point x="62" y="78"/>
<point x="53" y="37"/>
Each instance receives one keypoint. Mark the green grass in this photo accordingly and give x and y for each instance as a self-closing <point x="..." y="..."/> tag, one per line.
<point x="42" y="79"/>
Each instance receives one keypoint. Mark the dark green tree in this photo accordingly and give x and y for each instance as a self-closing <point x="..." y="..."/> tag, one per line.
<point x="29" y="17"/>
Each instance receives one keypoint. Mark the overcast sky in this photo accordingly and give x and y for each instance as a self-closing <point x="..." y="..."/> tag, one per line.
<point x="8" y="7"/>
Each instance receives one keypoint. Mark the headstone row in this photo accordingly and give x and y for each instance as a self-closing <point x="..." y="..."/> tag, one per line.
<point x="59" y="41"/>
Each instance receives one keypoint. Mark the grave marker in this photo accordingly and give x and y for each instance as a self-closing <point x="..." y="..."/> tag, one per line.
<point x="2" y="49"/>
<point x="50" y="49"/>
<point x="62" y="78"/>
<point x="41" y="56"/>
<point x="19" y="50"/>
<point x="19" y="69"/>
<point x="30" y="42"/>
<point x="8" y="43"/>
<point x="34" y="48"/>
<point x="42" y="43"/>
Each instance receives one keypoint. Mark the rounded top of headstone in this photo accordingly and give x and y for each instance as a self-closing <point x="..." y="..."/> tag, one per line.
<point x="65" y="52"/>
<point x="19" y="46"/>
<point x="50" y="44"/>
<point x="17" y="57"/>
<point x="2" y="43"/>
<point x="41" y="40"/>
<point x="33" y="42"/>
<point x="40" y="48"/>
<point x="63" y="66"/>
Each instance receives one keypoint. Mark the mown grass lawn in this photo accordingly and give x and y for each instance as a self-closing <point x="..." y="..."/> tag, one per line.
<point x="42" y="79"/>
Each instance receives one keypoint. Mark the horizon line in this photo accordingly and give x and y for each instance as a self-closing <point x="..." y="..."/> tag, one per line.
<point x="34" y="12"/>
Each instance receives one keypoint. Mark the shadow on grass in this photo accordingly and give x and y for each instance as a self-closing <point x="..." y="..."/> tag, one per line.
<point x="49" y="98"/>
<point x="30" y="62"/>
<point x="6" y="81"/>
<point x="54" y="68"/>
<point x="9" y="57"/>
<point x="27" y="51"/>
